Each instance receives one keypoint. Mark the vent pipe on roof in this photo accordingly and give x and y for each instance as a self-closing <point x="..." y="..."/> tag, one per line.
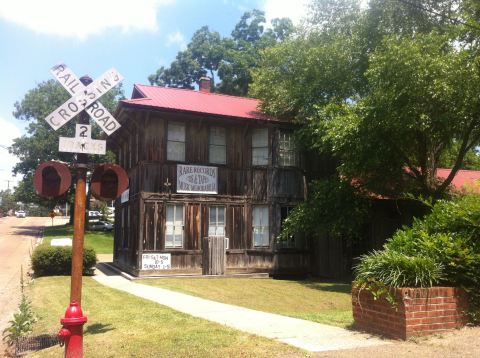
<point x="204" y="84"/>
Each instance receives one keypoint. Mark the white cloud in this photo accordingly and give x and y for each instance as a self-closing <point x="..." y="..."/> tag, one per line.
<point x="80" y="19"/>
<point x="295" y="10"/>
<point x="176" y="38"/>
<point x="7" y="134"/>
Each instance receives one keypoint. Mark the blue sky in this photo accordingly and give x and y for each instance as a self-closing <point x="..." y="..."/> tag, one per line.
<point x="135" y="37"/>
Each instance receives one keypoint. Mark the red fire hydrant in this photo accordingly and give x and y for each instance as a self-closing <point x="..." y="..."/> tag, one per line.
<point x="71" y="334"/>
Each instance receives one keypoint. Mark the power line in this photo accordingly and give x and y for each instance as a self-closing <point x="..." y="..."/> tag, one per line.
<point x="454" y="20"/>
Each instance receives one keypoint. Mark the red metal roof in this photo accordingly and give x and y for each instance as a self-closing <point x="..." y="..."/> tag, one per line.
<point x="197" y="102"/>
<point x="464" y="179"/>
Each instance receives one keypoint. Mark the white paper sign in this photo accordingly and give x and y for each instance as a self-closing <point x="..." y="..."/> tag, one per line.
<point x="156" y="261"/>
<point x="197" y="179"/>
<point x="125" y="196"/>
<point x="82" y="143"/>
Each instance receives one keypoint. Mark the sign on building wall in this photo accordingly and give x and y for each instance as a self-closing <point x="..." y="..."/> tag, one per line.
<point x="156" y="261"/>
<point x="197" y="179"/>
<point x="125" y="196"/>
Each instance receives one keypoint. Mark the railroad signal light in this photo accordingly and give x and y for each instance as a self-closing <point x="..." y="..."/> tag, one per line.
<point x="108" y="182"/>
<point x="52" y="179"/>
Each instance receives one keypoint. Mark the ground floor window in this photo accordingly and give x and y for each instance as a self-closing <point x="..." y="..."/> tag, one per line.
<point x="260" y="226"/>
<point x="174" y="226"/>
<point x="290" y="242"/>
<point x="216" y="224"/>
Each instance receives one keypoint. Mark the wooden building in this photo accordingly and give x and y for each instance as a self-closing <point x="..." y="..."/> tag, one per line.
<point x="202" y="164"/>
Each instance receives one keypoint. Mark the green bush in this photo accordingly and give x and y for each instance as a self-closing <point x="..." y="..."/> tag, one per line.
<point x="57" y="260"/>
<point x="396" y="269"/>
<point x="448" y="239"/>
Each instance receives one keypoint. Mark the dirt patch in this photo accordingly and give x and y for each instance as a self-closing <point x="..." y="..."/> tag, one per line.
<point x="464" y="343"/>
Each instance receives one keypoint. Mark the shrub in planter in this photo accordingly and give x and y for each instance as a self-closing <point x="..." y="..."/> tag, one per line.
<point x="441" y="249"/>
<point x="57" y="260"/>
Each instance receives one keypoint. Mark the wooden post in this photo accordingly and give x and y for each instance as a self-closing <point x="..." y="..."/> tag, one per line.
<point x="79" y="216"/>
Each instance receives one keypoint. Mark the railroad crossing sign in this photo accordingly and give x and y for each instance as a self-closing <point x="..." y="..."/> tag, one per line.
<point x="84" y="98"/>
<point x="83" y="142"/>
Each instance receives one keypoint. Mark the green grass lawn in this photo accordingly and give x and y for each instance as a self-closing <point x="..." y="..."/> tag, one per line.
<point x="100" y="241"/>
<point x="122" y="325"/>
<point x="322" y="302"/>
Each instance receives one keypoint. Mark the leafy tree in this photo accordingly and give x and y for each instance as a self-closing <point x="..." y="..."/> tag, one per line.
<point x="386" y="91"/>
<point x="41" y="141"/>
<point x="230" y="59"/>
<point x="7" y="201"/>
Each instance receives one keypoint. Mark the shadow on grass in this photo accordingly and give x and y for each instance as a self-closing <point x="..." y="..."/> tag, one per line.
<point x="98" y="328"/>
<point x="321" y="285"/>
<point x="61" y="230"/>
<point x="328" y="286"/>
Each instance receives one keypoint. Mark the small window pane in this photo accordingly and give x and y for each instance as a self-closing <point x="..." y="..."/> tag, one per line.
<point x="260" y="226"/>
<point x="287" y="154"/>
<point x="176" y="132"/>
<point x="260" y="137"/>
<point x="218" y="154"/>
<point x="217" y="146"/>
<point x="174" y="226"/>
<point x="216" y="225"/>
<point x="260" y="156"/>
<point x="260" y="146"/>
<point x="176" y="142"/>
<point x="217" y="135"/>
<point x="176" y="151"/>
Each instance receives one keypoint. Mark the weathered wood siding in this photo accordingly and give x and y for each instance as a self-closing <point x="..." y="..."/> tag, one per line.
<point x="141" y="149"/>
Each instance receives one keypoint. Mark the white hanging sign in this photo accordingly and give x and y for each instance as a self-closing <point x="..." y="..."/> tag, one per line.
<point x="197" y="179"/>
<point x="82" y="143"/>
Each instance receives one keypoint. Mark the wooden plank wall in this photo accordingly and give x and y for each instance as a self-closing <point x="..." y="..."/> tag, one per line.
<point x="141" y="147"/>
<point x="213" y="255"/>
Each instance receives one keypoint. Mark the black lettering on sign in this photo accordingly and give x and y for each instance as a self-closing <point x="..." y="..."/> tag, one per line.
<point x="65" y="77"/>
<point x="58" y="69"/>
<point x="64" y="114"/>
<point x="51" y="120"/>
<point x="105" y="84"/>
<point x="83" y="131"/>
<point x="98" y="113"/>
<point x="110" y="126"/>
<point x="73" y="107"/>
<point x="72" y="88"/>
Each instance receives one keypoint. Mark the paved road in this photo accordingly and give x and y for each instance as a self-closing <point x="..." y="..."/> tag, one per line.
<point x="17" y="239"/>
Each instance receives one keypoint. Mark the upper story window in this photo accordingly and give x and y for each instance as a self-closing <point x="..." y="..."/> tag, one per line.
<point x="287" y="153"/>
<point x="217" y="146"/>
<point x="260" y="146"/>
<point x="176" y="142"/>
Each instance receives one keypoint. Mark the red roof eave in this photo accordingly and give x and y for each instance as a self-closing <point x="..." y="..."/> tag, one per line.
<point x="199" y="103"/>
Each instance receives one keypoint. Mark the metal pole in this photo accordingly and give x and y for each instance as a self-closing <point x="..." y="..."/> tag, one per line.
<point x="72" y="331"/>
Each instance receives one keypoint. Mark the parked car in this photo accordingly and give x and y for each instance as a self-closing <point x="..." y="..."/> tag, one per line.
<point x="20" y="214"/>
<point x="101" y="225"/>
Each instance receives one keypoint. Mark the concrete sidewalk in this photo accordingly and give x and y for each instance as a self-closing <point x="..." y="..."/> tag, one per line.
<point x="311" y="336"/>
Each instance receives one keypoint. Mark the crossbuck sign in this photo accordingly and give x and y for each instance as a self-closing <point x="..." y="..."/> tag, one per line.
<point x="84" y="97"/>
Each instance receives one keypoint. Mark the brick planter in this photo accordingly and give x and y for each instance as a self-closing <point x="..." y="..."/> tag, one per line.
<point x="419" y="311"/>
